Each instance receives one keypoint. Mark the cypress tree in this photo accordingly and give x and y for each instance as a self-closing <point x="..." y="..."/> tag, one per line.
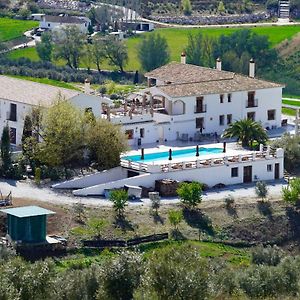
<point x="5" y="149"/>
<point x="27" y="130"/>
<point x="136" y="77"/>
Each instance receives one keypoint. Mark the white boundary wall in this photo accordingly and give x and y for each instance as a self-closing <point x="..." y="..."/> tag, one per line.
<point x="208" y="175"/>
<point x="93" y="179"/>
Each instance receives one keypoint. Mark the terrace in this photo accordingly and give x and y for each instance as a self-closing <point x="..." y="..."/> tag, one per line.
<point x="232" y="156"/>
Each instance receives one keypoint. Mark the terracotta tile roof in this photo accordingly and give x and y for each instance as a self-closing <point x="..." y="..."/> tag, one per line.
<point x="237" y="83"/>
<point x="30" y="92"/>
<point x="64" y="20"/>
<point x="175" y="72"/>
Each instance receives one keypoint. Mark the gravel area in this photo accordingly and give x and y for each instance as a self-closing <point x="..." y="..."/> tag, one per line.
<point x="27" y="190"/>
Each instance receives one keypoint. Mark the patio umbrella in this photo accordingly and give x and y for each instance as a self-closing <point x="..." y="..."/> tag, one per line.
<point x="224" y="147"/>
<point x="197" y="150"/>
<point x="170" y="154"/>
<point x="142" y="153"/>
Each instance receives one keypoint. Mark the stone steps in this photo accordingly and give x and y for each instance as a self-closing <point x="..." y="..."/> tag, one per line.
<point x="284" y="9"/>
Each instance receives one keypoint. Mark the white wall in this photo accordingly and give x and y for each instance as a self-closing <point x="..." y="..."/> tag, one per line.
<point x="268" y="99"/>
<point x="22" y="111"/>
<point x="209" y="175"/>
<point x="55" y="25"/>
<point x="83" y="101"/>
<point x="140" y="180"/>
<point x="93" y="179"/>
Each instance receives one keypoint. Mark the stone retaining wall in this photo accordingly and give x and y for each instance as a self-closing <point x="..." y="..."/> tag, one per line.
<point x="212" y="19"/>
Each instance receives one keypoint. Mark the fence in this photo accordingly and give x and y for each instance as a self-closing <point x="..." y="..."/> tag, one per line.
<point x="123" y="243"/>
<point x="199" y="163"/>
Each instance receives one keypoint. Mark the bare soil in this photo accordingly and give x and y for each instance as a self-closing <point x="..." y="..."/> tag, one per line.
<point x="248" y="220"/>
<point x="288" y="47"/>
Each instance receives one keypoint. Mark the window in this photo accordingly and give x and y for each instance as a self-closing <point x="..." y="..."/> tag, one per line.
<point x="200" y="123"/>
<point x="129" y="134"/>
<point x="251" y="116"/>
<point x="229" y="97"/>
<point x="142" y="132"/>
<point x="251" y="100"/>
<point x="221" y="98"/>
<point x="13" y="135"/>
<point x="229" y="119"/>
<point x="151" y="82"/>
<point x="200" y="107"/>
<point x="271" y="114"/>
<point x="269" y="168"/>
<point x="13" y="112"/>
<point x="235" y="172"/>
<point x="221" y="120"/>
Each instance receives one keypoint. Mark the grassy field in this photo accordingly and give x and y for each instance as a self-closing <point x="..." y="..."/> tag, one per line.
<point x="11" y="29"/>
<point x="291" y="102"/>
<point x="57" y="83"/>
<point x="177" y="40"/>
<point x="288" y="111"/>
<point x="29" y="52"/>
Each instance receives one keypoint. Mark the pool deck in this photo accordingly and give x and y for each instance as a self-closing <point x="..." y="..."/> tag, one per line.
<point x="232" y="149"/>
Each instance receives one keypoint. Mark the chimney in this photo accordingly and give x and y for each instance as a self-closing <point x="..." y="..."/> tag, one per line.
<point x="87" y="87"/>
<point x="219" y="64"/>
<point x="183" y="58"/>
<point x="252" y="68"/>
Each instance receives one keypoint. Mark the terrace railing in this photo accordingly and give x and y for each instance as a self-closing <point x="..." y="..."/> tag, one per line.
<point x="198" y="163"/>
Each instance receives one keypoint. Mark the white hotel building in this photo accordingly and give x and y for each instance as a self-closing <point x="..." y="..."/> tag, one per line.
<point x="183" y="101"/>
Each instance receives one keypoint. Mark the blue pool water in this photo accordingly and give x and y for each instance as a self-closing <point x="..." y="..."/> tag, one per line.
<point x="176" y="154"/>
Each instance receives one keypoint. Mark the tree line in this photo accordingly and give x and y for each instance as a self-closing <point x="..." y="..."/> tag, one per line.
<point x="71" y="45"/>
<point x="235" y="50"/>
<point x="177" y="272"/>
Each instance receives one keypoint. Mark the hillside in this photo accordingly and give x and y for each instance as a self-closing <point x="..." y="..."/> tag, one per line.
<point x="201" y="6"/>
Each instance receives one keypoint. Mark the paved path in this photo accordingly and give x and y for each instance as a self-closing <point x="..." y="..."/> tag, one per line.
<point x="26" y="190"/>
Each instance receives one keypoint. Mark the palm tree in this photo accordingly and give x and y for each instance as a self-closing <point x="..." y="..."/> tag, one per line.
<point x="246" y="131"/>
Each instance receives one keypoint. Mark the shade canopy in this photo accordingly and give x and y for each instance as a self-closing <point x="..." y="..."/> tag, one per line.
<point x="27" y="211"/>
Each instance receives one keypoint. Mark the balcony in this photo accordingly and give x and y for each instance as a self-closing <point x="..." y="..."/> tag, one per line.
<point x="11" y="116"/>
<point x="200" y="109"/>
<point x="252" y="103"/>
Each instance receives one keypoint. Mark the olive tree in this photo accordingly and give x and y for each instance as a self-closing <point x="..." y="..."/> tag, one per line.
<point x="63" y="135"/>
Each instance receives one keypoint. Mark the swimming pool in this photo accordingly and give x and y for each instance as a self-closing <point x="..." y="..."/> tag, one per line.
<point x="176" y="154"/>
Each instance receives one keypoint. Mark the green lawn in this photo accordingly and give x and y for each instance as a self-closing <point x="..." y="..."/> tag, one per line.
<point x="291" y="102"/>
<point x="29" y="52"/>
<point x="233" y="255"/>
<point x="177" y="40"/>
<point x="11" y="29"/>
<point x="288" y="111"/>
<point x="49" y="82"/>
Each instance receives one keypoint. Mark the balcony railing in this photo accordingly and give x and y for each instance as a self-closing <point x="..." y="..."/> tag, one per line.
<point x="200" y="109"/>
<point x="11" y="116"/>
<point x="252" y="103"/>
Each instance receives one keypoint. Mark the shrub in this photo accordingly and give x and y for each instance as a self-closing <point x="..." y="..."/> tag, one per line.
<point x="120" y="276"/>
<point x="119" y="199"/>
<point x="190" y="194"/>
<point x="37" y="176"/>
<point x="229" y="201"/>
<point x="175" y="218"/>
<point x="177" y="272"/>
<point x="291" y="193"/>
<point x="261" y="190"/>
<point x="269" y="255"/>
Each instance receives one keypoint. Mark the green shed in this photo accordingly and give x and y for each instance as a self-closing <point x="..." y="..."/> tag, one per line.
<point x="27" y="224"/>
